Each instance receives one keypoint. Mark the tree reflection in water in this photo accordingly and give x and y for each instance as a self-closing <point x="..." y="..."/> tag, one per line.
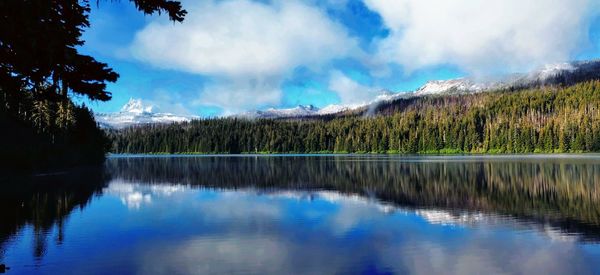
<point x="561" y="193"/>
<point x="555" y="190"/>
<point x="44" y="202"/>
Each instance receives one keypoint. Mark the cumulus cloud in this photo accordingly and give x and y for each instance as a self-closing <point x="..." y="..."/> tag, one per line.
<point x="349" y="91"/>
<point x="481" y="36"/>
<point x="245" y="44"/>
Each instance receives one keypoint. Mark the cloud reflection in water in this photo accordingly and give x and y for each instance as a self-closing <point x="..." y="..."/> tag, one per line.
<point x="308" y="232"/>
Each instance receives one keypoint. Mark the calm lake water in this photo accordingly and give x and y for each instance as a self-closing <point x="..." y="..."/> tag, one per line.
<point x="307" y="215"/>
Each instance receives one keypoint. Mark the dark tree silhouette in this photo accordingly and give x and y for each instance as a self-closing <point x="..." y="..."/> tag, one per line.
<point x="41" y="69"/>
<point x="38" y="54"/>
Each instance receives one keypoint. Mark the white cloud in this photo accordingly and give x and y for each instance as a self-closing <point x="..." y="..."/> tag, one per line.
<point x="244" y="44"/>
<point x="238" y="95"/>
<point x="172" y="102"/>
<point x="481" y="36"/>
<point x="134" y="195"/>
<point x="349" y="91"/>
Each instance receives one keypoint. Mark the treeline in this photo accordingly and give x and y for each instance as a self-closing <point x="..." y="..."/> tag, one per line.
<point x="548" y="119"/>
<point x="46" y="134"/>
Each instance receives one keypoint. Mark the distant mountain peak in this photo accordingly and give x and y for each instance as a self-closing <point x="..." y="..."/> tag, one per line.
<point x="137" y="106"/>
<point x="136" y="112"/>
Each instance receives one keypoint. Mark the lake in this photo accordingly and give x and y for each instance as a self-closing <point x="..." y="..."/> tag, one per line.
<point x="303" y="214"/>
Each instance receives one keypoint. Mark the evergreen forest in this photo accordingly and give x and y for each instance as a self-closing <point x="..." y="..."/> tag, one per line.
<point x="551" y="119"/>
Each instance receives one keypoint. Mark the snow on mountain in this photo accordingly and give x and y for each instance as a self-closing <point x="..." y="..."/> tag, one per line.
<point x="333" y="109"/>
<point x="136" y="106"/>
<point x="299" y="111"/>
<point x="460" y="85"/>
<point x="563" y="73"/>
<point x="558" y="73"/>
<point x="136" y="112"/>
<point x="552" y="70"/>
<point x="310" y="110"/>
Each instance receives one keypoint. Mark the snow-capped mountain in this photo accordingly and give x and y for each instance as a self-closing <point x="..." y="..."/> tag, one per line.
<point x="136" y="112"/>
<point x="559" y="73"/>
<point x="334" y="109"/>
<point x="459" y="85"/>
<point x="298" y="111"/>
<point x="312" y="111"/>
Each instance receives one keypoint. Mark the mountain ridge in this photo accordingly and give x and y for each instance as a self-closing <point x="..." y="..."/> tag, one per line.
<point x="566" y="73"/>
<point x="551" y="74"/>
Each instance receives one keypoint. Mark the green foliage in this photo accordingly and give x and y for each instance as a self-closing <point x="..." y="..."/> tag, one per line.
<point x="551" y="120"/>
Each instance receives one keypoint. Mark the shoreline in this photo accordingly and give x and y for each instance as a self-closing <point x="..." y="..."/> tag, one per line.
<point x="467" y="155"/>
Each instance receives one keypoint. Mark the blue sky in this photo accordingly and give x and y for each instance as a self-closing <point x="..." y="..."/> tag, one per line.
<point x="231" y="56"/>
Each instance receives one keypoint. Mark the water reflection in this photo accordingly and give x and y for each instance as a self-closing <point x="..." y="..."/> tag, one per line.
<point x="136" y="195"/>
<point x="323" y="232"/>
<point x="43" y="203"/>
<point x="559" y="191"/>
<point x="307" y="215"/>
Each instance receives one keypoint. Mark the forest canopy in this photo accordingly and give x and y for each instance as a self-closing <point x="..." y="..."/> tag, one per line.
<point x="550" y="119"/>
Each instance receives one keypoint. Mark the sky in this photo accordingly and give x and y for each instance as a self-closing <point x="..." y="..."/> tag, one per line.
<point x="232" y="56"/>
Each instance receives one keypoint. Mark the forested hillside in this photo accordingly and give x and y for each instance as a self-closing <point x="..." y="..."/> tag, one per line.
<point x="549" y="119"/>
